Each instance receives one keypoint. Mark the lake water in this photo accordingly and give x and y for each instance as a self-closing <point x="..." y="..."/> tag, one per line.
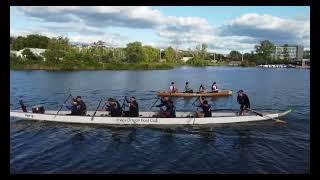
<point x="255" y="147"/>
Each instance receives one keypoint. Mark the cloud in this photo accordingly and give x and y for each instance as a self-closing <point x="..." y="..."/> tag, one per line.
<point x="75" y="28"/>
<point x="88" y="23"/>
<point x="260" y="27"/>
<point x="111" y="39"/>
<point x="128" y="16"/>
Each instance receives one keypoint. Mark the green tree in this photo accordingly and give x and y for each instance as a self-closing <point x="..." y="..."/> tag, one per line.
<point x="30" y="57"/>
<point x="72" y="57"/>
<point x="31" y="41"/>
<point x="203" y="51"/>
<point x="285" y="52"/>
<point x="235" y="56"/>
<point x="18" y="43"/>
<point x="56" y="50"/>
<point x="197" y="61"/>
<point x="151" y="54"/>
<point x="134" y="52"/>
<point x="265" y="50"/>
<point x="14" y="59"/>
<point x="169" y="54"/>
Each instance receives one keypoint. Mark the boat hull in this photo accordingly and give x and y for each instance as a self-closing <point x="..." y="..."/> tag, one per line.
<point x="180" y="94"/>
<point x="183" y="118"/>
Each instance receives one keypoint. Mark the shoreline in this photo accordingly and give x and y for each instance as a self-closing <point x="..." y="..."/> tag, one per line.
<point x="108" y="66"/>
<point x="119" y="66"/>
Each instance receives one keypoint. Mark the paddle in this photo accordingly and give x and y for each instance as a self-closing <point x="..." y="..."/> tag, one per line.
<point x="154" y="103"/>
<point x="195" y="101"/>
<point x="96" y="110"/>
<point x="24" y="108"/>
<point x="64" y="103"/>
<point x="123" y="105"/>
<point x="103" y="106"/>
<point x="260" y="114"/>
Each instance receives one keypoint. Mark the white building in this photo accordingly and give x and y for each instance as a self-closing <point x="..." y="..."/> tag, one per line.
<point x="295" y="52"/>
<point x="185" y="59"/>
<point x="35" y="51"/>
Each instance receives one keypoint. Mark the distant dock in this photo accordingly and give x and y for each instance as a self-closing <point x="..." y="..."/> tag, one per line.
<point x="282" y="66"/>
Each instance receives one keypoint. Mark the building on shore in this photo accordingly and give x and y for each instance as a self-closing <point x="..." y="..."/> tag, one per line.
<point x="35" y="51"/>
<point x="185" y="59"/>
<point x="295" y="52"/>
<point x="234" y="63"/>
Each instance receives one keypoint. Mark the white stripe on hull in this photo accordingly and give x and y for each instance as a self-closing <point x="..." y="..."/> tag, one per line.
<point x="146" y="118"/>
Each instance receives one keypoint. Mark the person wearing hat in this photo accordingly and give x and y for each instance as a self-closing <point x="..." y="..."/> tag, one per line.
<point x="114" y="107"/>
<point x="81" y="106"/>
<point x="187" y="89"/>
<point x="133" y="107"/>
<point x="172" y="88"/>
<point x="214" y="87"/>
<point x="244" y="102"/>
<point x="206" y="108"/>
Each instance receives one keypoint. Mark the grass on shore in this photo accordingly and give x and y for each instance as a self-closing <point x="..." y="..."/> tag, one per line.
<point x="102" y="66"/>
<point x="113" y="66"/>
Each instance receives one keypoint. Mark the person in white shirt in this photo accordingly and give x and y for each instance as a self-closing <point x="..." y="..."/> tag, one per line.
<point x="202" y="89"/>
<point x="214" y="87"/>
<point x="172" y="88"/>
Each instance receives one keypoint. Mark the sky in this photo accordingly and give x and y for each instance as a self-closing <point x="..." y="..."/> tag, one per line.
<point x="222" y="28"/>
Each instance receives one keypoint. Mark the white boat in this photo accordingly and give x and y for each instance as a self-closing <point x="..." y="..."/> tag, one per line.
<point x="146" y="118"/>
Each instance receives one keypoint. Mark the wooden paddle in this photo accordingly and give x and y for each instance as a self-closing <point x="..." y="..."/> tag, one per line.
<point x="262" y="115"/>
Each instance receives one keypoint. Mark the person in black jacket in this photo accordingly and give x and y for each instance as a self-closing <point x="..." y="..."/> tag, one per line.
<point x="82" y="108"/>
<point x="74" y="107"/>
<point x="206" y="108"/>
<point x="244" y="102"/>
<point x="114" y="107"/>
<point x="133" y="107"/>
<point x="170" y="110"/>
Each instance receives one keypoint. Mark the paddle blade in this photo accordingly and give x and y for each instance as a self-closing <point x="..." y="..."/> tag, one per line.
<point x="280" y="121"/>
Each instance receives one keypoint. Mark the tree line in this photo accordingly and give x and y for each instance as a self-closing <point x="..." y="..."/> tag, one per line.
<point x="60" y="52"/>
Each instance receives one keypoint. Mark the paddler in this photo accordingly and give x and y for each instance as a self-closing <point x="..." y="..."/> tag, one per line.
<point x="206" y="108"/>
<point x="214" y="87"/>
<point x="202" y="89"/>
<point x="172" y="88"/>
<point x="114" y="107"/>
<point x="170" y="108"/>
<point x="81" y="106"/>
<point x="187" y="89"/>
<point x="169" y="112"/>
<point x="133" y="107"/>
<point x="73" y="107"/>
<point x="244" y="102"/>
